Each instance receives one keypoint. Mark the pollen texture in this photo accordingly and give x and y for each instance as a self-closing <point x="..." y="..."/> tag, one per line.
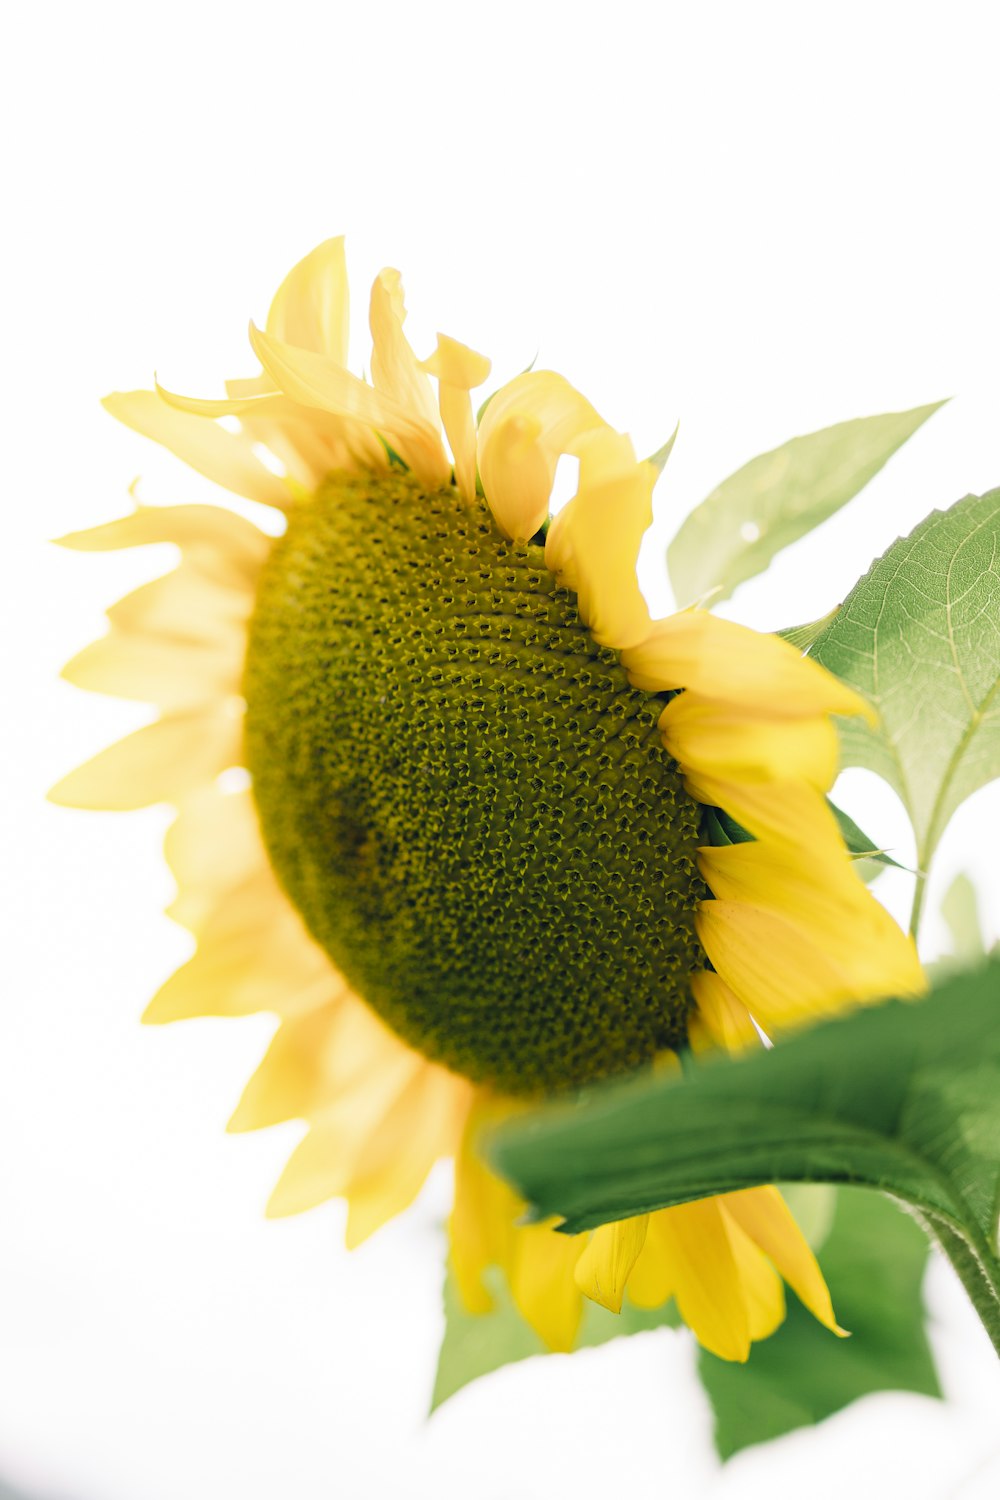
<point x="463" y="795"/>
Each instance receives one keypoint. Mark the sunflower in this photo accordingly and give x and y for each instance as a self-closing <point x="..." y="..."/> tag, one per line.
<point x="442" y="786"/>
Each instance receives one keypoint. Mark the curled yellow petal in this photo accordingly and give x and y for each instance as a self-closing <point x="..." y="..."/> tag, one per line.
<point x="528" y="425"/>
<point x="603" y="1270"/>
<point x="311" y="308"/>
<point x="459" y="370"/>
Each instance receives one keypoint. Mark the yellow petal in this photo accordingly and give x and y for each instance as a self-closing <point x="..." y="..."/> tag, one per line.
<point x="528" y="424"/>
<point x="720" y="741"/>
<point x="732" y="664"/>
<point x="819" y="892"/>
<point x="226" y="458"/>
<point x="315" y="380"/>
<point x="652" y="1280"/>
<point x="459" y="369"/>
<point x="424" y="1127"/>
<point x="212" y="846"/>
<point x="287" y="1083"/>
<point x="222" y="545"/>
<point x="253" y="954"/>
<point x="725" y="1018"/>
<point x="603" y="1270"/>
<point x="542" y="1284"/>
<point x="765" y="1216"/>
<point x="593" y="543"/>
<point x="481" y="1227"/>
<point x="396" y="371"/>
<point x="323" y="1164"/>
<point x="311" y="308"/>
<point x="693" y="1239"/>
<point x="763" y="1293"/>
<point x="154" y="670"/>
<point x="779" y="974"/>
<point x="160" y="763"/>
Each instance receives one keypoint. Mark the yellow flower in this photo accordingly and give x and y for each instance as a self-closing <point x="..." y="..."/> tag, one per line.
<point x="463" y="862"/>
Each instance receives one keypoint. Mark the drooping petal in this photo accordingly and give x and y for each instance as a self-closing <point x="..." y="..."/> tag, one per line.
<point x="481" y="1227"/>
<point x="603" y="1270"/>
<point x="702" y="1271"/>
<point x="765" y="1216"/>
<point x="763" y="1293"/>
<point x="542" y="1284"/>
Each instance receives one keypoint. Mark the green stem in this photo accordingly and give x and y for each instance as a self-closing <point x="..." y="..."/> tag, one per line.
<point x="979" y="1273"/>
<point x="918" y="900"/>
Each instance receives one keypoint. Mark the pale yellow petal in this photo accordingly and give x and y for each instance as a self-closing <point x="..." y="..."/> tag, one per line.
<point x="174" y="675"/>
<point x="603" y="1270"/>
<point x="311" y="308"/>
<point x="253" y="955"/>
<point x="459" y="370"/>
<point x="527" y="425"/>
<point x="765" y="1216"/>
<point x="396" y="371"/>
<point x="542" y="1284"/>
<point x="315" y="380"/>
<point x="222" y="545"/>
<point x="593" y="543"/>
<point x="732" y="664"/>
<point x="424" y="1126"/>
<point x="160" y="763"/>
<point x="227" y="458"/>
<point x="288" y="1082"/>
<point x="726" y="1019"/>
<point x="213" y="846"/>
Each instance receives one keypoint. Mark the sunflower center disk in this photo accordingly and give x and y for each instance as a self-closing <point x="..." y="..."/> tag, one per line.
<point x="462" y="794"/>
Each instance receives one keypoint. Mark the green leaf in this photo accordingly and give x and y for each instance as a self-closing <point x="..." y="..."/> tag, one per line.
<point x="904" y="1097"/>
<point x="475" y="1344"/>
<point x="874" y="1263"/>
<point x="778" y="497"/>
<point x="919" y="636"/>
<point x="859" y="845"/>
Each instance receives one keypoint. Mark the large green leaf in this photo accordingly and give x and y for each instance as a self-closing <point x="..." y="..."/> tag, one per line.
<point x="778" y="497"/>
<point x="873" y="1261"/>
<point x="475" y="1344"/>
<point x="919" y="636"/>
<point x="903" y="1097"/>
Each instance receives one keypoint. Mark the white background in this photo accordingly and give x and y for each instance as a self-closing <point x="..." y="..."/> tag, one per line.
<point x="757" y="218"/>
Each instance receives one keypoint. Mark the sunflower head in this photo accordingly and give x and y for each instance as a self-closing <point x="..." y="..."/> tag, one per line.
<point x="469" y="863"/>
